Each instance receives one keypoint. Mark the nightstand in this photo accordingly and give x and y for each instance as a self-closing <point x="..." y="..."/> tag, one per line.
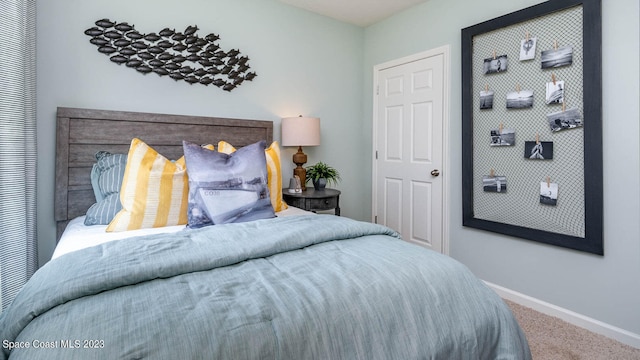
<point x="314" y="200"/>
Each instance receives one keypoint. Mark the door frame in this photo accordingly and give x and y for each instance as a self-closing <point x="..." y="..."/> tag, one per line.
<point x="445" y="52"/>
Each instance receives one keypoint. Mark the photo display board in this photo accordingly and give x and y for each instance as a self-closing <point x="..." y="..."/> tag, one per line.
<point x="532" y="123"/>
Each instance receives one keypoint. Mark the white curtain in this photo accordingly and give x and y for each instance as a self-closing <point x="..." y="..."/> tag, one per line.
<point x="18" y="242"/>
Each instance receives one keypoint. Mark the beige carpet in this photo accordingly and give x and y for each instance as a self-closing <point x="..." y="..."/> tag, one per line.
<point x="551" y="338"/>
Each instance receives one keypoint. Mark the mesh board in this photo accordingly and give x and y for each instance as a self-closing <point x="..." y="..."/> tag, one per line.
<point x="520" y="204"/>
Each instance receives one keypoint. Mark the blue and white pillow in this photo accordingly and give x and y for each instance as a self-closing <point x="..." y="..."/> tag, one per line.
<point x="106" y="179"/>
<point x="227" y="188"/>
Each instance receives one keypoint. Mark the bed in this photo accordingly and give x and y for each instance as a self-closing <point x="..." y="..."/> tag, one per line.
<point x="294" y="285"/>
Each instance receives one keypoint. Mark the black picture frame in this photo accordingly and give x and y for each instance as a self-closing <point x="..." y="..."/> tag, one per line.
<point x="592" y="99"/>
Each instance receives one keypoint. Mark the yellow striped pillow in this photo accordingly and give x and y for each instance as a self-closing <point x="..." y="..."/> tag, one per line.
<point x="154" y="190"/>
<point x="274" y="172"/>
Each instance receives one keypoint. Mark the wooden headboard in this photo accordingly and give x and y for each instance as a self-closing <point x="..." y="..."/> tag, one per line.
<point x="82" y="132"/>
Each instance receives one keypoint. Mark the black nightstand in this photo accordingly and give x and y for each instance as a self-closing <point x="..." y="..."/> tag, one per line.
<point x="314" y="200"/>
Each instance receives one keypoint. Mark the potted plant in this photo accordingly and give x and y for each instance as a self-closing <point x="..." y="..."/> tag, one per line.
<point x="322" y="174"/>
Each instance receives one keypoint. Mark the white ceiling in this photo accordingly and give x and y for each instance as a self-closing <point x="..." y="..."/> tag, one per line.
<point x="358" y="12"/>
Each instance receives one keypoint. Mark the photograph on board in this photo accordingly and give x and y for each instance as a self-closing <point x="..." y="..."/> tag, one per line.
<point x="556" y="58"/>
<point x="495" y="65"/>
<point x="486" y="99"/>
<point x="506" y="137"/>
<point x="563" y="120"/>
<point x="541" y="150"/>
<point x="494" y="183"/>
<point x="548" y="193"/>
<point x="555" y="92"/>
<point x="520" y="99"/>
<point x="528" y="49"/>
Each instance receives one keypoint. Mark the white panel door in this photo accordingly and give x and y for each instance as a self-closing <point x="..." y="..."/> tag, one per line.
<point x="408" y="185"/>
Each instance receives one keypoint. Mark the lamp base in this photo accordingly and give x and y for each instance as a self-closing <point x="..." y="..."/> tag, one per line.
<point x="301" y="173"/>
<point x="300" y="159"/>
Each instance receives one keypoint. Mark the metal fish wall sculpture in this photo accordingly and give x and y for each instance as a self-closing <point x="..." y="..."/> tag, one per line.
<point x="178" y="55"/>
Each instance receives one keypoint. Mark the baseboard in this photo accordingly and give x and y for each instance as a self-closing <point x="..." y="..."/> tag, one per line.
<point x="596" y="326"/>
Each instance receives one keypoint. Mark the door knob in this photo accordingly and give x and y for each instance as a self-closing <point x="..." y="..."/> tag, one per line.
<point x="435" y="172"/>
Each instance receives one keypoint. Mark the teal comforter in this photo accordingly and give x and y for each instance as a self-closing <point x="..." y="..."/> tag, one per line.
<point x="301" y="287"/>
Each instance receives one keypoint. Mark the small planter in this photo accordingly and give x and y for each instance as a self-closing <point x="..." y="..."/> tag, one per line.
<point x="320" y="184"/>
<point x="322" y="174"/>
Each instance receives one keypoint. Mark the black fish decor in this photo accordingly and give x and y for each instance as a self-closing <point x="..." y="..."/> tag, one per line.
<point x="134" y="63"/>
<point x="99" y="41"/>
<point x="105" y="23"/>
<point x="128" y="51"/>
<point x="179" y="55"/>
<point x="166" y="32"/>
<point x="134" y="35"/>
<point x="94" y="31"/>
<point x="124" y="27"/>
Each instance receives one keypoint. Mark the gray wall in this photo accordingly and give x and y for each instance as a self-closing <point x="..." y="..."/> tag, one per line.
<point x="306" y="64"/>
<point x="604" y="288"/>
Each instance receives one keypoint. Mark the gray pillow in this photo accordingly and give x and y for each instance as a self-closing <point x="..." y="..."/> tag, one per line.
<point x="106" y="180"/>
<point x="95" y="179"/>
<point x="226" y="188"/>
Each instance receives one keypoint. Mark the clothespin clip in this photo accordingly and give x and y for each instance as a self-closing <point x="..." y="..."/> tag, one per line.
<point x="527" y="37"/>
<point x="553" y="77"/>
<point x="518" y="87"/>
<point x="548" y="182"/>
<point x="563" y="106"/>
<point x="500" y="129"/>
<point x="555" y="44"/>
<point x="494" y="54"/>
<point x="486" y="87"/>
<point x="537" y="139"/>
<point x="492" y="173"/>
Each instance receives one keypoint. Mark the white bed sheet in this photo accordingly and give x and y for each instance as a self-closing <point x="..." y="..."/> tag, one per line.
<point x="78" y="236"/>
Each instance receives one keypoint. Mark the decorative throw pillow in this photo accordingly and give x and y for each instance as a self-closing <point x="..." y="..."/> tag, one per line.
<point x="106" y="180"/>
<point x="274" y="172"/>
<point x="226" y="188"/>
<point x="95" y="175"/>
<point x="154" y="190"/>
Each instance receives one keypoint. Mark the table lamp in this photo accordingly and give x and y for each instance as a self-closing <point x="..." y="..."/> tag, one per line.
<point x="300" y="131"/>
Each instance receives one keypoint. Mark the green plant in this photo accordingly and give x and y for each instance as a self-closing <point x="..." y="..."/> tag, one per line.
<point x="322" y="170"/>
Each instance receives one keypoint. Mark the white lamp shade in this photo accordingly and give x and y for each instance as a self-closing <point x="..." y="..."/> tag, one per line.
<point x="301" y="131"/>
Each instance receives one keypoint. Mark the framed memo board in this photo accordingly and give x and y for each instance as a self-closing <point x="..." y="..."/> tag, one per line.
<point x="532" y="79"/>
